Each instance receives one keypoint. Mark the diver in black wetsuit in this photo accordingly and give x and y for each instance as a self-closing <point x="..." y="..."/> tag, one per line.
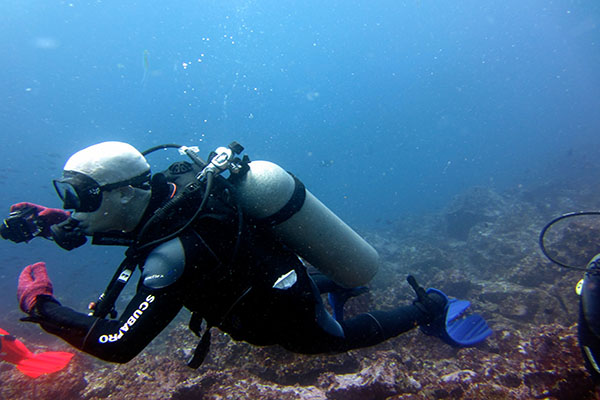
<point x="588" y="289"/>
<point x="589" y="318"/>
<point x="197" y="250"/>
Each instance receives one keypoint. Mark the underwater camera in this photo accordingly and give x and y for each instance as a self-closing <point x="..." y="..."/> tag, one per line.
<point x="20" y="226"/>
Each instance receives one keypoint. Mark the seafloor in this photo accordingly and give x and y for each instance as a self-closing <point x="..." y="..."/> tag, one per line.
<point x="482" y="247"/>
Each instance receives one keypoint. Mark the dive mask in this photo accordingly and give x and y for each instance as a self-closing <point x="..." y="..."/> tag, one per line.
<point x="82" y="193"/>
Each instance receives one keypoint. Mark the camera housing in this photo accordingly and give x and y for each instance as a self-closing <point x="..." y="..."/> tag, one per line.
<point x="20" y="226"/>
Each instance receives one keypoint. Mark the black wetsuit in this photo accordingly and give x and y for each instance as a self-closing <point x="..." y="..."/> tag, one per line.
<point x="590" y="347"/>
<point x="233" y="285"/>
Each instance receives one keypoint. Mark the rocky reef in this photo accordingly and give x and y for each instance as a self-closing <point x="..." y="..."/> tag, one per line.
<point x="483" y="247"/>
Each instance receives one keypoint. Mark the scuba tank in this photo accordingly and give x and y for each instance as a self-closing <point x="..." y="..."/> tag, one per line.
<point x="269" y="194"/>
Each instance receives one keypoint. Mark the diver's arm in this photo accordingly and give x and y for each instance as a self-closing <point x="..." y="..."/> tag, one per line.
<point x="147" y="314"/>
<point x="156" y="302"/>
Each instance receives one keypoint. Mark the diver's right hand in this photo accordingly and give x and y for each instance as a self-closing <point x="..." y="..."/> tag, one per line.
<point x="33" y="282"/>
<point x="42" y="217"/>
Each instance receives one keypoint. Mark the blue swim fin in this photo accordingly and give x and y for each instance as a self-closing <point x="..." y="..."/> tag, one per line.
<point x="455" y="330"/>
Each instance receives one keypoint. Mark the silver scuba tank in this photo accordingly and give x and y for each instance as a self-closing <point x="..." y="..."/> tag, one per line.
<point x="268" y="193"/>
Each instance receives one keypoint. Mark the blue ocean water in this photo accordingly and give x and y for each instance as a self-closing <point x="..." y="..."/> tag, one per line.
<point x="382" y="108"/>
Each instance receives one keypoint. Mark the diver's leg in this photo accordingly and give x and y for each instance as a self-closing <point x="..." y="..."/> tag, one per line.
<point x="318" y="332"/>
<point x="371" y="328"/>
<point x="433" y="311"/>
<point x="363" y="330"/>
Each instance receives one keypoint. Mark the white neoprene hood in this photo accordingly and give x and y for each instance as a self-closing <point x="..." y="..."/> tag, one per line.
<point x="108" y="162"/>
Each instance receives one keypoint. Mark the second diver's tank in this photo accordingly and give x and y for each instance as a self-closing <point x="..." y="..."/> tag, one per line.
<point x="270" y="194"/>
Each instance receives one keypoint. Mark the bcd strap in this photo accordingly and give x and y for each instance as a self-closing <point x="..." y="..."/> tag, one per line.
<point x="106" y="302"/>
<point x="203" y="346"/>
<point x="293" y="205"/>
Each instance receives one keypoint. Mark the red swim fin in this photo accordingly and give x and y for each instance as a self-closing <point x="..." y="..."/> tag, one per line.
<point x="14" y="351"/>
<point x="44" y="363"/>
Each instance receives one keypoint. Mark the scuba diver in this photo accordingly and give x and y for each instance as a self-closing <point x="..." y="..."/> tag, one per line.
<point x="588" y="289"/>
<point x="588" y="327"/>
<point x="233" y="250"/>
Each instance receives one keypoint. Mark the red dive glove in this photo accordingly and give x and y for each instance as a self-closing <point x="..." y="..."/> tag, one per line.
<point x="44" y="217"/>
<point x="33" y="282"/>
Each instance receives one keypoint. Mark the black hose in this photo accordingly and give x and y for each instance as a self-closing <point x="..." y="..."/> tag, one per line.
<point x="555" y="220"/>
<point x="192" y="154"/>
<point x="160" y="147"/>
<point x="209" y="182"/>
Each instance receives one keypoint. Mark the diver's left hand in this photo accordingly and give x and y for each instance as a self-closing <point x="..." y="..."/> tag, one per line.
<point x="33" y="282"/>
